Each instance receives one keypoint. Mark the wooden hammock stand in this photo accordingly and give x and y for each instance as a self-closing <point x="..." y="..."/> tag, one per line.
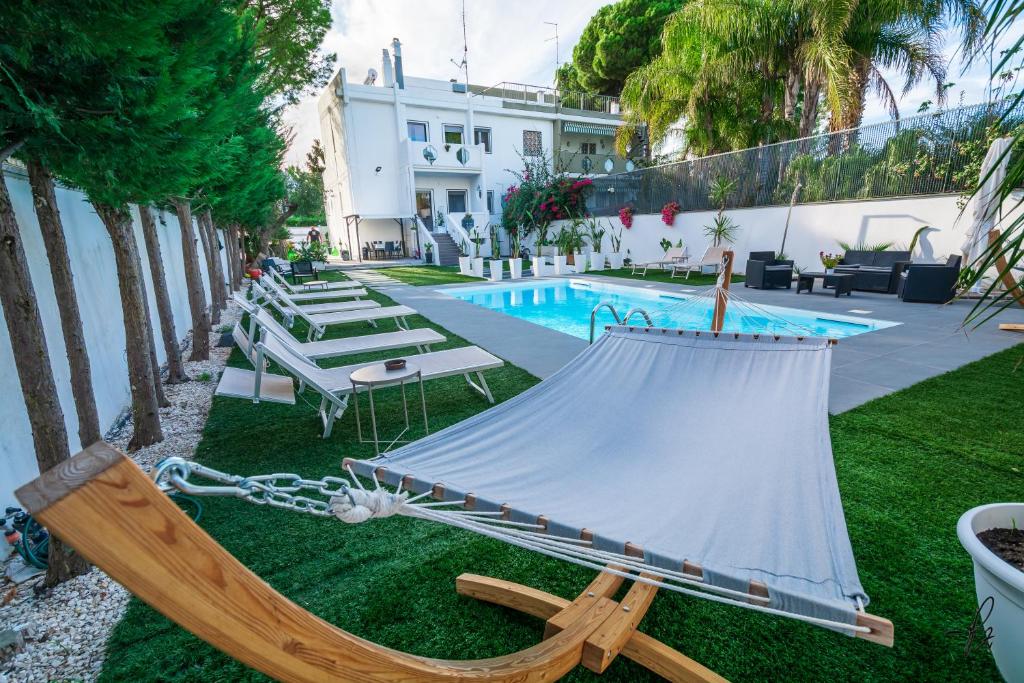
<point x="117" y="517"/>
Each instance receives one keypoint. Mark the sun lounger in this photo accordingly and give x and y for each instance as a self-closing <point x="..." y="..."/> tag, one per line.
<point x="260" y="318"/>
<point x="334" y="385"/>
<point x="275" y="290"/>
<point x="712" y="258"/>
<point x="315" y="285"/>
<point x="674" y="256"/>
<point x="316" y="295"/>
<point x="318" y="322"/>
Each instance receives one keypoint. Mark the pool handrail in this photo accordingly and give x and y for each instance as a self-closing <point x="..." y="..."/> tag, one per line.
<point x="615" y="314"/>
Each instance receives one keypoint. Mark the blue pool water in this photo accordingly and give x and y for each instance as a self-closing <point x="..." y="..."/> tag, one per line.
<point x="565" y="305"/>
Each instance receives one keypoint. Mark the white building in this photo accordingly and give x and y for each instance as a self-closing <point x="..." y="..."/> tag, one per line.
<point x="408" y="158"/>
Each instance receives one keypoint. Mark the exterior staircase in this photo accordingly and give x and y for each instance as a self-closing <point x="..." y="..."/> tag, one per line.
<point x="447" y="251"/>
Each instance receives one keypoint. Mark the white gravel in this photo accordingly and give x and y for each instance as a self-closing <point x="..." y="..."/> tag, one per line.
<point x="69" y="626"/>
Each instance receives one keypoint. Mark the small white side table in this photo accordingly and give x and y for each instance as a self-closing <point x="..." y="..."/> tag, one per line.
<point x="377" y="376"/>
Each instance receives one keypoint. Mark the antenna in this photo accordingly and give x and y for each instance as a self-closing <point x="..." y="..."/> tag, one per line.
<point x="554" y="38"/>
<point x="464" y="64"/>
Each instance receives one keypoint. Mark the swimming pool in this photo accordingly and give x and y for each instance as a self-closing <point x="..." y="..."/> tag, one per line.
<point x="565" y="305"/>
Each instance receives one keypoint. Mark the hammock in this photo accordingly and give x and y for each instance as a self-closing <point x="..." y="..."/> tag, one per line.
<point x="700" y="450"/>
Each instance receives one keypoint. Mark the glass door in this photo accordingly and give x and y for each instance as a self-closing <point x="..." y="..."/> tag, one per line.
<point x="425" y="208"/>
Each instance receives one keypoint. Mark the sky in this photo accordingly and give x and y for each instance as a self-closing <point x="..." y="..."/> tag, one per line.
<point x="510" y="41"/>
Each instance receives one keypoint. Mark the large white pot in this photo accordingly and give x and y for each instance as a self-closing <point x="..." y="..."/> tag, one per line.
<point x="615" y="260"/>
<point x="515" y="268"/>
<point x="596" y="260"/>
<point x="465" y="265"/>
<point x="995" y="578"/>
<point x="560" y="267"/>
<point x="580" y="259"/>
<point x="537" y="263"/>
<point x="478" y="267"/>
<point x="496" y="269"/>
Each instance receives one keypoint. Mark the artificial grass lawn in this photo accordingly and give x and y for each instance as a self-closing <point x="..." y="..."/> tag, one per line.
<point x="908" y="464"/>
<point x="427" y="275"/>
<point x="657" y="275"/>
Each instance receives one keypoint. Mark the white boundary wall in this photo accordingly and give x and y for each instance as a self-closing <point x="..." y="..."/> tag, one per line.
<point x="95" y="273"/>
<point x="812" y="228"/>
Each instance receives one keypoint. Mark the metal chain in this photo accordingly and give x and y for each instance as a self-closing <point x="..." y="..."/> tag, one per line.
<point x="275" y="490"/>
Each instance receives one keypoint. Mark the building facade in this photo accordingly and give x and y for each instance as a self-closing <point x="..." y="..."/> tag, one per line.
<point x="408" y="158"/>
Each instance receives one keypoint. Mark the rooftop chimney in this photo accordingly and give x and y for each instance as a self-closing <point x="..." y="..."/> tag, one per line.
<point x="389" y="76"/>
<point x="396" y="47"/>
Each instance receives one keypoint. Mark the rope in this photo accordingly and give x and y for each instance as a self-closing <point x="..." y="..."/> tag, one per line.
<point x="358" y="505"/>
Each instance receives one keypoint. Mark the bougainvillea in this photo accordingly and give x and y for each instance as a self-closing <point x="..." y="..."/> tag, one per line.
<point x="626" y="216"/>
<point x="668" y="213"/>
<point x="543" y="196"/>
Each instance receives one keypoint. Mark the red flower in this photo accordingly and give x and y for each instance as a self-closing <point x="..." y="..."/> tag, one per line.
<point x="626" y="216"/>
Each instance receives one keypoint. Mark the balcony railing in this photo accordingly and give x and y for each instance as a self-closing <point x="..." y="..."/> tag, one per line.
<point x="578" y="163"/>
<point x="447" y="158"/>
<point x="540" y="95"/>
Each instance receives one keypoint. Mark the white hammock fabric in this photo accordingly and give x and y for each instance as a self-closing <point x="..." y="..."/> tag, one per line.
<point x="710" y="450"/>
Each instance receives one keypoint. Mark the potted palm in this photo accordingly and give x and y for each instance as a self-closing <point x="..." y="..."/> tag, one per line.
<point x="560" y="246"/>
<point x="596" y="233"/>
<point x="515" y="244"/>
<point x="538" y="257"/>
<point x="576" y="241"/>
<point x="993" y="537"/>
<point x="465" y="262"/>
<point x="495" y="262"/>
<point x="477" y="263"/>
<point x="428" y="252"/>
<point x="615" y="257"/>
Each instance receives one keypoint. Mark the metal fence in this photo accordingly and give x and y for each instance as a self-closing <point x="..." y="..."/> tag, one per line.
<point x="922" y="155"/>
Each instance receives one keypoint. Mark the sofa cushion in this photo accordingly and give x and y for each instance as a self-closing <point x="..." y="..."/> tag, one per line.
<point x="889" y="258"/>
<point x="854" y="258"/>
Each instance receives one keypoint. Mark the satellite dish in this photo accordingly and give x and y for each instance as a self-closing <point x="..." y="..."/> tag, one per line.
<point x="371" y="77"/>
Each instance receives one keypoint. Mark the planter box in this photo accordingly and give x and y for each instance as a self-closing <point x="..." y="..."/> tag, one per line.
<point x="537" y="263"/>
<point x="478" y="267"/>
<point x="615" y="260"/>
<point x="560" y="267"/>
<point x="515" y="268"/>
<point x="465" y="265"/>
<point x="581" y="262"/>
<point x="496" y="268"/>
<point x="596" y="260"/>
<point x="996" y="578"/>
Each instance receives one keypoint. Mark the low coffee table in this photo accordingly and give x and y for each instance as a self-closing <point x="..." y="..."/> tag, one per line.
<point x="842" y="283"/>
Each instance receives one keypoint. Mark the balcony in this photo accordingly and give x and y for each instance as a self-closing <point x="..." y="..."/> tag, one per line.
<point x="540" y="96"/>
<point x="431" y="157"/>
<point x="590" y="164"/>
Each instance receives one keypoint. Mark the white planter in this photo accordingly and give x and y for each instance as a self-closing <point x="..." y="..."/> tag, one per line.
<point x="478" y="267"/>
<point x="560" y="267"/>
<point x="496" y="269"/>
<point x="995" y="578"/>
<point x="537" y="263"/>
<point x="615" y="260"/>
<point x="515" y="268"/>
<point x="581" y="262"/>
<point x="596" y="260"/>
<point x="319" y="265"/>
<point x="465" y="265"/>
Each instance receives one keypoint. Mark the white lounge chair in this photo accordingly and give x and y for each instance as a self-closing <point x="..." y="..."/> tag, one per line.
<point x="260" y="318"/>
<point x="319" y="322"/>
<point x="672" y="257"/>
<point x="280" y="295"/>
<point x="712" y="258"/>
<point x="271" y="284"/>
<point x="314" y="286"/>
<point x="334" y="385"/>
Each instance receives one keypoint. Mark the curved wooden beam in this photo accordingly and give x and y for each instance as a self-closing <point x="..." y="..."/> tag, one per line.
<point x="112" y="513"/>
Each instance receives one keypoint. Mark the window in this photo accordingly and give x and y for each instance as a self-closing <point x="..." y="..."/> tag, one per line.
<point x="452" y="134"/>
<point x="482" y="136"/>
<point x="417" y="131"/>
<point x="456" y="201"/>
<point x="490" y="201"/>
<point x="588" y="148"/>
<point x="533" y="143"/>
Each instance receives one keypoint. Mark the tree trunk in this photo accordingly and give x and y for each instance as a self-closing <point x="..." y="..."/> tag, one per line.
<point x="35" y="374"/>
<point x="236" y="255"/>
<point x="154" y="362"/>
<point x="790" y="93"/>
<point x="204" y="236"/>
<point x="853" y="110"/>
<point x="175" y="369"/>
<point x="145" y="410"/>
<point x="809" y="112"/>
<point x="194" y="283"/>
<point x="215" y="260"/>
<point x="229" y="260"/>
<point x="45" y="199"/>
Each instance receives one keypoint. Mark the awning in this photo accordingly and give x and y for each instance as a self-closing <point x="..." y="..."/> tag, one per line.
<point x="588" y="129"/>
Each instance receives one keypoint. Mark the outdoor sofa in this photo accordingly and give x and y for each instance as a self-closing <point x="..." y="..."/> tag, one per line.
<point x="930" y="283"/>
<point x="764" y="271"/>
<point x="875" y="271"/>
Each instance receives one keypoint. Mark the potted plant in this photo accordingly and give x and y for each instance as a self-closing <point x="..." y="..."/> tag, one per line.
<point x="515" y="245"/>
<point x="477" y="263"/>
<point x="465" y="262"/>
<point x="315" y="253"/>
<point x="538" y="256"/>
<point x="830" y="261"/>
<point x="428" y="252"/>
<point x="560" y="242"/>
<point x="596" y="233"/>
<point x="993" y="537"/>
<point x="495" y="262"/>
<point x="615" y="258"/>
<point x="439" y="220"/>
